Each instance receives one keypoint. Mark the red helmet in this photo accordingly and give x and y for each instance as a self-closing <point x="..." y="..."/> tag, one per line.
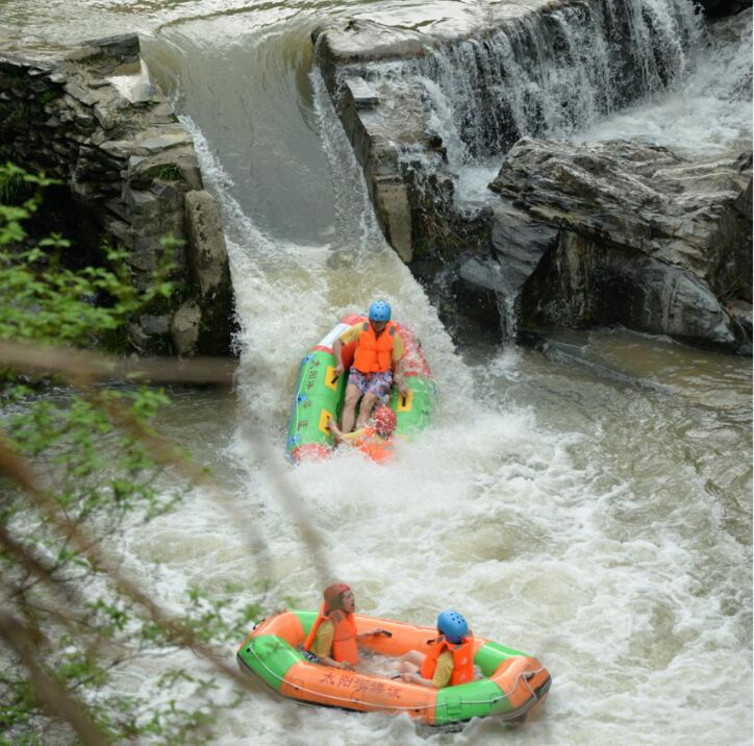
<point x="384" y="420"/>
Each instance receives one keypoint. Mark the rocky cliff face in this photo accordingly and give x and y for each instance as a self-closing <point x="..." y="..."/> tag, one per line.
<point x="92" y="118"/>
<point x="592" y="234"/>
<point x="644" y="238"/>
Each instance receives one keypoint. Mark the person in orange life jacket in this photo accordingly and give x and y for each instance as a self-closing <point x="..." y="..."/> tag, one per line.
<point x="371" y="377"/>
<point x="333" y="639"/>
<point x="373" y="441"/>
<point x="450" y="659"/>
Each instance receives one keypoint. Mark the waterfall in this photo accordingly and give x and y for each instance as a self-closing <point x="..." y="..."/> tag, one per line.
<point x="552" y="73"/>
<point x="507" y="306"/>
<point x="549" y="73"/>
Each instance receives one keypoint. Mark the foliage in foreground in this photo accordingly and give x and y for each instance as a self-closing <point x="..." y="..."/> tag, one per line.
<point x="46" y="302"/>
<point x="88" y="465"/>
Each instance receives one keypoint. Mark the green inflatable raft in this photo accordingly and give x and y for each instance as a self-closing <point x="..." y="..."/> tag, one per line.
<point x="319" y="393"/>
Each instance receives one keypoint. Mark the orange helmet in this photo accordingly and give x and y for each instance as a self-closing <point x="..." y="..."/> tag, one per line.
<point x="384" y="420"/>
<point x="333" y="596"/>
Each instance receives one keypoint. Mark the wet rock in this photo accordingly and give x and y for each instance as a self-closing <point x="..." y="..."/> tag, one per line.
<point x="154" y="324"/>
<point x="177" y="165"/>
<point x="136" y="88"/>
<point x="391" y="201"/>
<point x="719" y="8"/>
<point x="353" y="39"/>
<point x="378" y="132"/>
<point x="79" y="94"/>
<point x="106" y="116"/>
<point x="208" y="260"/>
<point x="123" y="47"/>
<point x="518" y="243"/>
<point x="165" y="138"/>
<point x="361" y="94"/>
<point x="741" y="313"/>
<point x="208" y="256"/>
<point x="120" y="149"/>
<point x="482" y="273"/>
<point x="144" y="204"/>
<point x="185" y="329"/>
<point x="646" y="238"/>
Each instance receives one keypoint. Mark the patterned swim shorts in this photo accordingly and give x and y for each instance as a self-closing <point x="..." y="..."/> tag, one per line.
<point x="309" y="655"/>
<point x="378" y="384"/>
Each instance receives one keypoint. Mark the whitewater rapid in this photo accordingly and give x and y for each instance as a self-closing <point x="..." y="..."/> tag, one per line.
<point x="590" y="505"/>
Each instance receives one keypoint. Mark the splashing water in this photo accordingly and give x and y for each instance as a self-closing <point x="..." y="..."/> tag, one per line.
<point x="590" y="504"/>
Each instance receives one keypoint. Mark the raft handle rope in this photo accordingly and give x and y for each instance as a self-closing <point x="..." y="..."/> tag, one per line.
<point x="492" y="700"/>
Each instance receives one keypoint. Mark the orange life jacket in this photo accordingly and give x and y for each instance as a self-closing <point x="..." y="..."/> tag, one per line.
<point x="373" y="355"/>
<point x="344" y="647"/>
<point x="371" y="444"/>
<point x="463" y="660"/>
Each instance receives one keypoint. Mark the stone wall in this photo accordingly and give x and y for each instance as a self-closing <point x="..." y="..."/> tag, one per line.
<point x="92" y="118"/>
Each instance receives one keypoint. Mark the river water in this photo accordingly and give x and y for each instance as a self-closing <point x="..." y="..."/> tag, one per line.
<point x="589" y="503"/>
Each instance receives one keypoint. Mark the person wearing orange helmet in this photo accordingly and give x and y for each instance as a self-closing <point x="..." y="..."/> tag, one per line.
<point x="379" y="349"/>
<point x="374" y="441"/>
<point x="333" y="639"/>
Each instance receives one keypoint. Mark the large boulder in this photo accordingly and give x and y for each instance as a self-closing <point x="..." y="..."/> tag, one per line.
<point x="646" y="238"/>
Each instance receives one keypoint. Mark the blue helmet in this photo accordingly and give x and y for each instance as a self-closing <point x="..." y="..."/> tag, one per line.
<point x="379" y="311"/>
<point x="451" y="624"/>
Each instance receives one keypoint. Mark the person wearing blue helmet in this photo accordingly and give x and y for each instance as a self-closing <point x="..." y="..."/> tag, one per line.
<point x="379" y="349"/>
<point x="450" y="658"/>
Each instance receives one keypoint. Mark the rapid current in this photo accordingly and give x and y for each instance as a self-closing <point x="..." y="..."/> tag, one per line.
<point x="590" y="504"/>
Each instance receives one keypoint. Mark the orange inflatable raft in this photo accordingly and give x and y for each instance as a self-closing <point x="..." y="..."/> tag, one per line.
<point x="512" y="686"/>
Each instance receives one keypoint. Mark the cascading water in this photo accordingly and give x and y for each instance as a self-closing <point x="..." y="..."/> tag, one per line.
<point x="595" y="511"/>
<point x="707" y="113"/>
<point x="507" y="307"/>
<point x="552" y="73"/>
<point x="547" y="74"/>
